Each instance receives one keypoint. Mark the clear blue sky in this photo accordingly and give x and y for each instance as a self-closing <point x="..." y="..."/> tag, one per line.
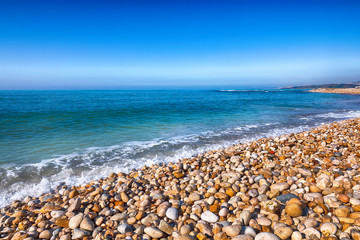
<point x="116" y="44"/>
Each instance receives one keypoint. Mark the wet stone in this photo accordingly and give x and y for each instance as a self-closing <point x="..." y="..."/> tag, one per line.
<point x="286" y="197"/>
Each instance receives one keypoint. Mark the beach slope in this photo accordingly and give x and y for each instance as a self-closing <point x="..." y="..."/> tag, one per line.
<point x="297" y="186"/>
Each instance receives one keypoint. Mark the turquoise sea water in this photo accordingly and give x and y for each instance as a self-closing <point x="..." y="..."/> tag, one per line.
<point x="53" y="137"/>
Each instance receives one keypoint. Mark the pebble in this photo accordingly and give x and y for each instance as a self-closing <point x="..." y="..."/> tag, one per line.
<point x="185" y="237"/>
<point x="87" y="224"/>
<point x="153" y="232"/>
<point x="194" y="197"/>
<point x="75" y="221"/>
<point x="220" y="236"/>
<point x="328" y="228"/>
<point x="293" y="210"/>
<point x="210" y="217"/>
<point x="232" y="230"/>
<point x="75" y="205"/>
<point x="79" y="234"/>
<point x="280" y="186"/>
<point x="119" y="217"/>
<point x="296" y="235"/>
<point x="286" y="197"/>
<point x="245" y="217"/>
<point x="166" y="227"/>
<point x="283" y="232"/>
<point x="342" y="211"/>
<point x="64" y="237"/>
<point x="46" y="234"/>
<point x="310" y="223"/>
<point x="266" y="236"/>
<point x="149" y="219"/>
<point x="124" y="228"/>
<point x="57" y="213"/>
<point x="311" y="231"/>
<point x="223" y="212"/>
<point x="243" y="237"/>
<point x="312" y="196"/>
<point x="272" y="206"/>
<point x="246" y="230"/>
<point x="263" y="221"/>
<point x="172" y="213"/>
<point x="186" y="229"/>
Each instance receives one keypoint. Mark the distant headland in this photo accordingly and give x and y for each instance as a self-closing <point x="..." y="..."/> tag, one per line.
<point x="341" y="88"/>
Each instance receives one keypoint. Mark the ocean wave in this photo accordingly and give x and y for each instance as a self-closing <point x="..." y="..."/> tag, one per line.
<point x="333" y="115"/>
<point x="336" y="115"/>
<point x="235" y="90"/>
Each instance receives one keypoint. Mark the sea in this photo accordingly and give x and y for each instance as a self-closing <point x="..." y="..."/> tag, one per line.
<point x="52" y="138"/>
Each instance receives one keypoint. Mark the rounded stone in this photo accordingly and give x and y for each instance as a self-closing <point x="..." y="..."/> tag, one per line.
<point x="315" y="189"/>
<point x="153" y="232"/>
<point x="266" y="236"/>
<point x="124" y="228"/>
<point x="296" y="235"/>
<point x="220" y="236"/>
<point x="79" y="233"/>
<point x="166" y="227"/>
<point x="328" y="228"/>
<point x="76" y="204"/>
<point x="312" y="196"/>
<point x="223" y="212"/>
<point x="57" y="213"/>
<point x="186" y="229"/>
<point x="283" y="232"/>
<point x="194" y="197"/>
<point x="185" y="237"/>
<point x="243" y="237"/>
<point x="87" y="224"/>
<point x="280" y="186"/>
<point x="232" y="230"/>
<point x="210" y="217"/>
<point x="46" y="234"/>
<point x="342" y="211"/>
<point x="246" y="230"/>
<point x="64" y="237"/>
<point x="310" y="223"/>
<point x="286" y="197"/>
<point x="310" y="231"/>
<point x="245" y="217"/>
<point x="272" y="206"/>
<point x="344" y="198"/>
<point x="124" y="197"/>
<point x="75" y="220"/>
<point x="293" y="210"/>
<point x="263" y="221"/>
<point x="172" y="213"/>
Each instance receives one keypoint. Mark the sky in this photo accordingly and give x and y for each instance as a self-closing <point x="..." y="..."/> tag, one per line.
<point x="124" y="44"/>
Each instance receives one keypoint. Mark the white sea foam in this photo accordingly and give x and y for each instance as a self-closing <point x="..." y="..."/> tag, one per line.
<point x="231" y="90"/>
<point x="234" y="90"/>
<point x="334" y="115"/>
<point x="68" y="175"/>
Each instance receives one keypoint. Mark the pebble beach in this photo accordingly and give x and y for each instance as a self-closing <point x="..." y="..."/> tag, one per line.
<point x="337" y="90"/>
<point x="297" y="186"/>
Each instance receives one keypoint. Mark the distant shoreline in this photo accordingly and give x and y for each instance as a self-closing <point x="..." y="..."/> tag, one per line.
<point x="337" y="90"/>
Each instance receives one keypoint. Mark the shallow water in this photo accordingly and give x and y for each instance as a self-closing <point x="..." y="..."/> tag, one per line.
<point x="50" y="137"/>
